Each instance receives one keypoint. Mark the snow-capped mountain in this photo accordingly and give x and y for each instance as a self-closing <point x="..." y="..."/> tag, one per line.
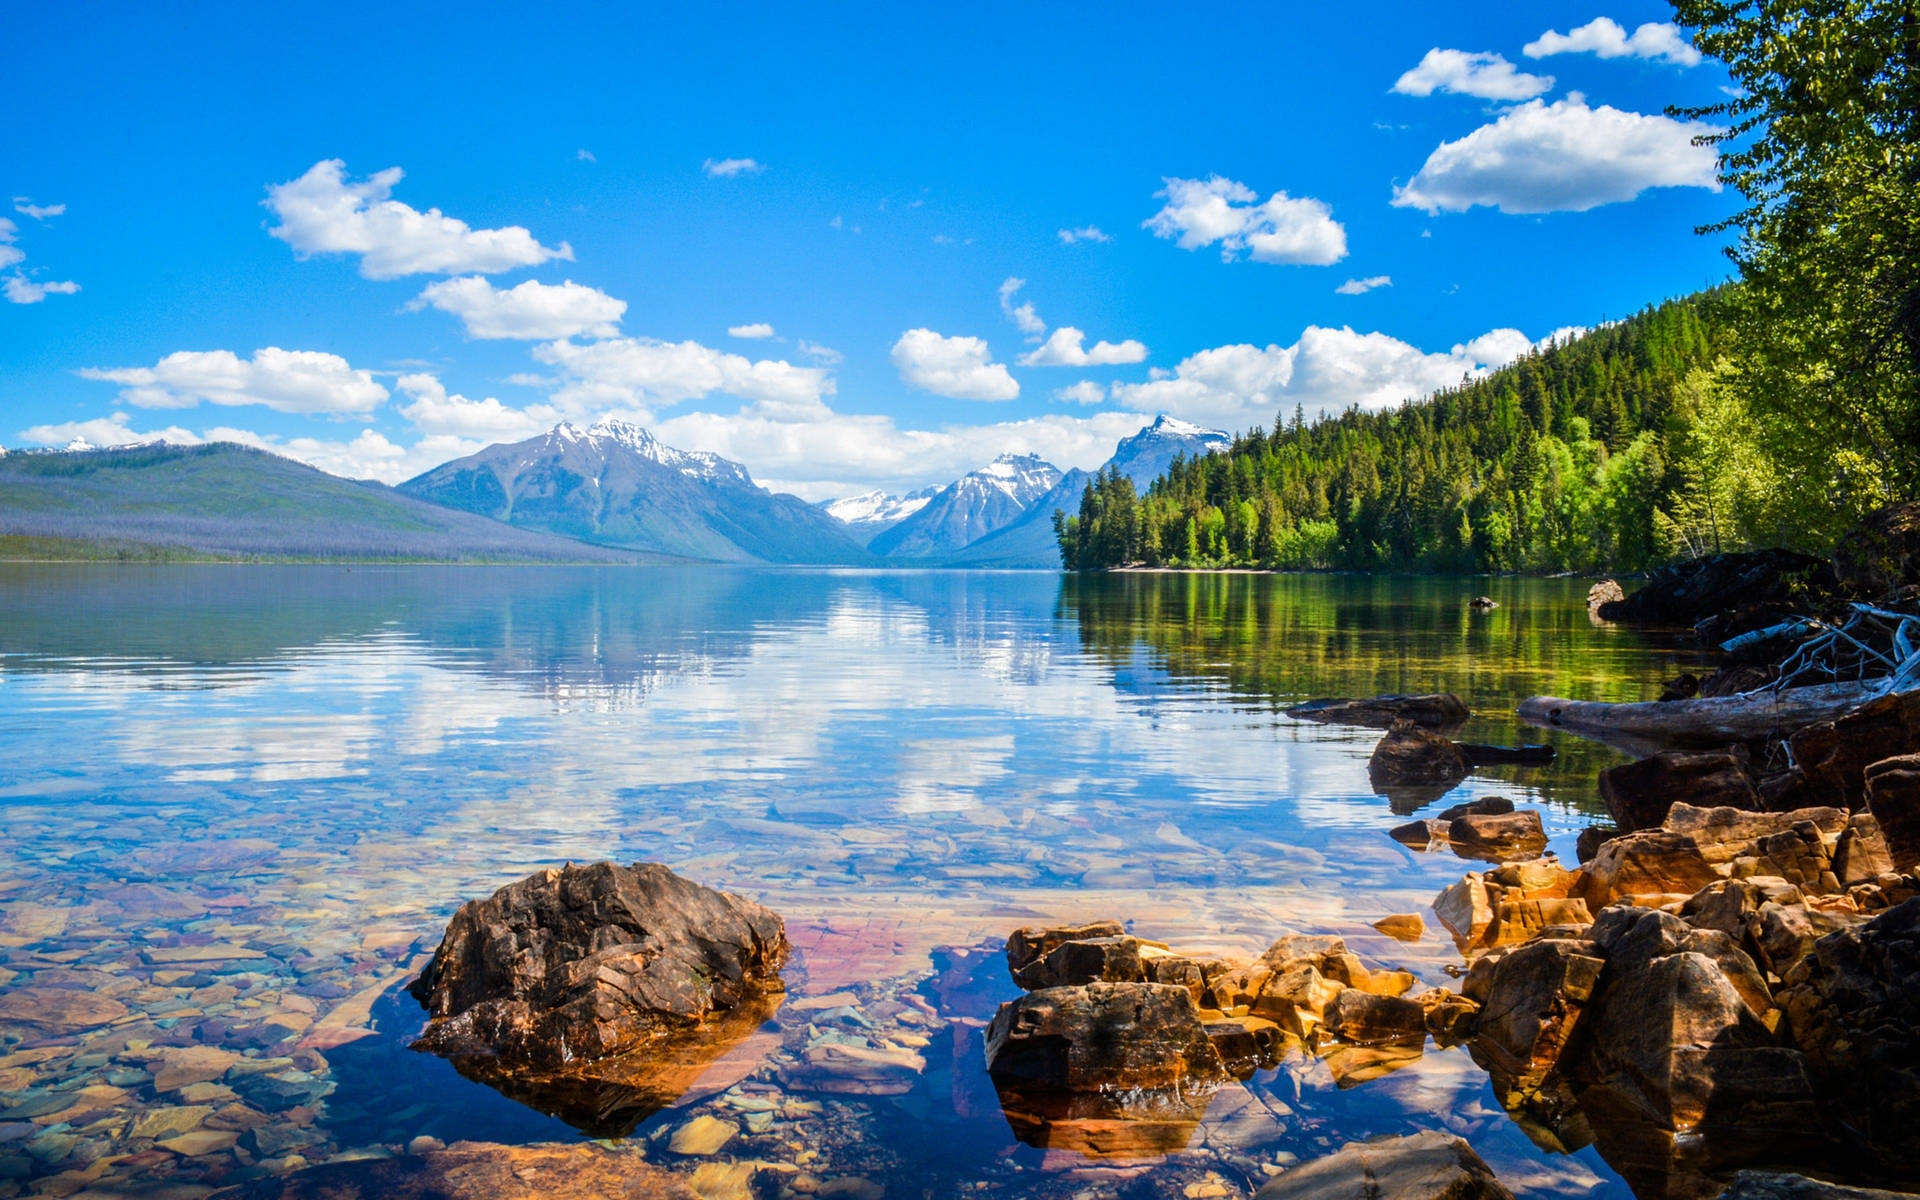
<point x="699" y="464"/>
<point x="1028" y="540"/>
<point x="969" y="508"/>
<point x="618" y="485"/>
<point x="870" y="514"/>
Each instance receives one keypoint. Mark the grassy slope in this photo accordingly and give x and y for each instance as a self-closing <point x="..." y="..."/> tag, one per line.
<point x="230" y="502"/>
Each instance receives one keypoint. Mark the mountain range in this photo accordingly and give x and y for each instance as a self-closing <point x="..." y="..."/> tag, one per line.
<point x="225" y="501"/>
<point x="609" y="493"/>
<point x="870" y="514"/>
<point x="1028" y="541"/>
<point x="615" y="484"/>
<point x="969" y="508"/>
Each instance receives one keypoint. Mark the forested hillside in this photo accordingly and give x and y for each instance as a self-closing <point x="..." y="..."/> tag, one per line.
<point x="1573" y="458"/>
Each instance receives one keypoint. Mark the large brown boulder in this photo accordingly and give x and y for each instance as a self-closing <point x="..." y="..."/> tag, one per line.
<point x="589" y="962"/>
<point x="1831" y="758"/>
<point x="1530" y="1000"/>
<point x="1854" y="1009"/>
<point x="1104" y="1037"/>
<point x="1639" y="794"/>
<point x="1696" y="846"/>
<point x="1420" y="1166"/>
<point x="1437" y="710"/>
<point x="1411" y="755"/>
<point x="1893" y="797"/>
<point x="1676" y="1067"/>
<point x="1883" y="554"/>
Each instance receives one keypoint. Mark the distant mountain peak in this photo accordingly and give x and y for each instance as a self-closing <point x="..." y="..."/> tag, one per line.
<point x="1170" y="426"/>
<point x="699" y="464"/>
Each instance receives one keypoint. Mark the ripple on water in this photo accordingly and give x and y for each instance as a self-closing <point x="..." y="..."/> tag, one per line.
<point x="239" y="806"/>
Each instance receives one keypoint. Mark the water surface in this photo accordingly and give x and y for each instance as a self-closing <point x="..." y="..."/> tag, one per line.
<point x="240" y="803"/>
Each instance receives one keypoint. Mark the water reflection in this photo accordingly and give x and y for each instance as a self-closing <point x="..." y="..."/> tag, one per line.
<point x="239" y="803"/>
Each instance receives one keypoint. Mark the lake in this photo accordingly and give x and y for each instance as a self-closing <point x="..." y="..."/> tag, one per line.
<point x="238" y="805"/>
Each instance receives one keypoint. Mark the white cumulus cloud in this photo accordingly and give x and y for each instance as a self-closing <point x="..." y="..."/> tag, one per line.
<point x="39" y="212"/>
<point x="290" y="381"/>
<point x="323" y="212"/>
<point x="831" y="453"/>
<point x="21" y="290"/>
<point x="1065" y="349"/>
<point x="531" y="311"/>
<point x="1561" y="157"/>
<point x="1283" y="229"/>
<point x="10" y="253"/>
<point x="1488" y="76"/>
<point x="1326" y="370"/>
<point x="635" y="372"/>
<point x="101" y="432"/>
<point x="1023" y="316"/>
<point x="1084" y="392"/>
<point x="1359" y="287"/>
<point x="1606" y="37"/>
<point x="1084" y="233"/>
<point x="433" y="411"/>
<point x="727" y="168"/>
<point x="959" y="368"/>
<point x="753" y="332"/>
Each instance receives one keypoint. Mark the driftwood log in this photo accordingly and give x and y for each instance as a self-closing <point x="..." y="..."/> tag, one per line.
<point x="1709" y="722"/>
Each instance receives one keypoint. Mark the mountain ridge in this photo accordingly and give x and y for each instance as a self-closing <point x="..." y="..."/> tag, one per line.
<point x="224" y="500"/>
<point x="615" y="484"/>
<point x="969" y="508"/>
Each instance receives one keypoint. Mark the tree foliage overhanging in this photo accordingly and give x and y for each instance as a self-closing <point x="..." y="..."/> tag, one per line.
<point x="1772" y="411"/>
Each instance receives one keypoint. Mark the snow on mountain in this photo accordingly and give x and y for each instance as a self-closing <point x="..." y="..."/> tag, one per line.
<point x="970" y="507"/>
<point x="700" y="464"/>
<point x="1028" y="540"/>
<point x="870" y="514"/>
<point x="616" y="484"/>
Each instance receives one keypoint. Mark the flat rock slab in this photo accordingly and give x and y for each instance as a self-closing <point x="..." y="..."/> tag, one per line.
<point x="477" y="1171"/>
<point x="1421" y="1166"/>
<point x="58" y="1010"/>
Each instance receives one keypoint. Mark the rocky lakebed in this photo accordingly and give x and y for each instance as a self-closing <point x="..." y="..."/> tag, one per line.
<point x="1713" y="991"/>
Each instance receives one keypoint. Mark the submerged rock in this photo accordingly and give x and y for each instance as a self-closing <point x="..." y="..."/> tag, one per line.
<point x="1420" y="1166"/>
<point x="588" y="962"/>
<point x="1436" y="710"/>
<point x="476" y="1171"/>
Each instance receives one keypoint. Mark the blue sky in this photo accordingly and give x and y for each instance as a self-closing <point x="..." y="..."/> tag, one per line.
<point x="234" y="253"/>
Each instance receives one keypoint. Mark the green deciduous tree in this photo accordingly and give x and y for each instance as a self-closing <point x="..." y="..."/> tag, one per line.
<point x="1823" y="141"/>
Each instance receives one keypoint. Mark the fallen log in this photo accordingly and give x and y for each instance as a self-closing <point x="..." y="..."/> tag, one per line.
<point x="1715" y="721"/>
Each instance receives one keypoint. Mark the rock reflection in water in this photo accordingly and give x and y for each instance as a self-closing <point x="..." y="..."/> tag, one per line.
<point x="1139" y="1123"/>
<point x="610" y="1097"/>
